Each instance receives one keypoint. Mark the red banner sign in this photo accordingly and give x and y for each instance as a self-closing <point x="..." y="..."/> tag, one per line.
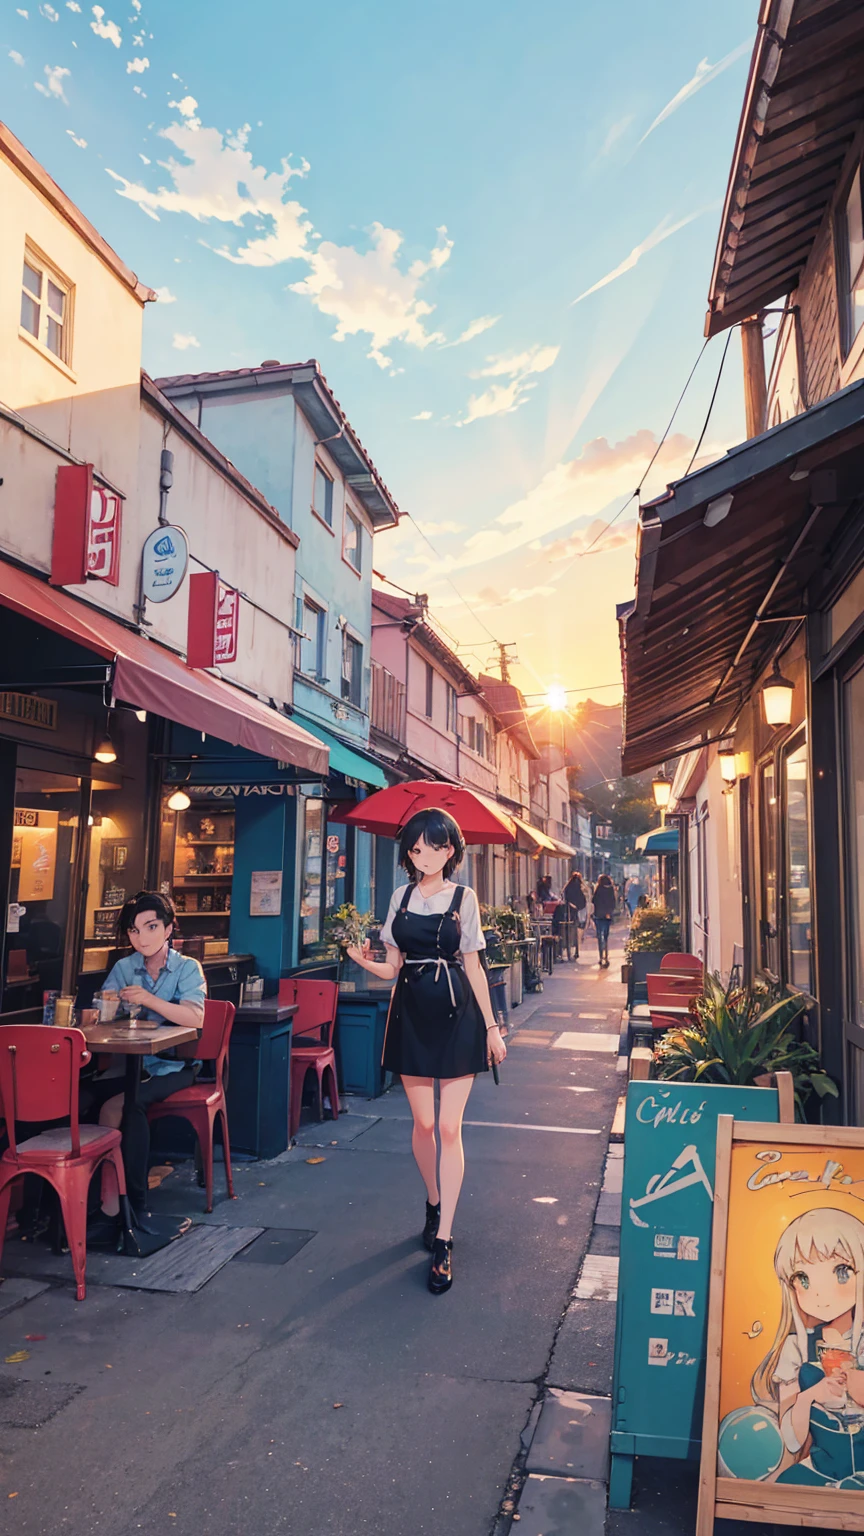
<point x="214" y="615"/>
<point x="87" y="526"/>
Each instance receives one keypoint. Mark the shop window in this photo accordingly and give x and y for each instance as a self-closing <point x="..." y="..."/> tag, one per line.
<point x="850" y="264"/>
<point x="853" y="699"/>
<point x="768" y="948"/>
<point x="353" y="540"/>
<point x="310" y="894"/>
<point x="313" y="643"/>
<point x="352" y="670"/>
<point x="322" y="496"/>
<point x="41" y="915"/>
<point x="46" y="300"/>
<point x="797" y="934"/>
<point x="196" y="867"/>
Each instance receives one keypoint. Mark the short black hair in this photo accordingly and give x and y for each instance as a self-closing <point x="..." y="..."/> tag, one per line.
<point x="146" y="901"/>
<point x="437" y="828"/>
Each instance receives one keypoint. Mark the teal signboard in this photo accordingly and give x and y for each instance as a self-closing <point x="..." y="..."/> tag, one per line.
<point x="666" y="1214"/>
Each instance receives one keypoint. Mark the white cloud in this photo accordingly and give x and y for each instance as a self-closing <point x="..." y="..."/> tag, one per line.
<point x="49" y="13"/>
<point x="25" y="14"/>
<point x="183" y="341"/>
<point x="367" y="291"/>
<point x="217" y="179"/>
<point x="705" y="73"/>
<point x="144" y="158"/>
<point x="55" y="76"/>
<point x="136" y="6"/>
<point x="520" y="369"/>
<point x="165" y="296"/>
<point x="616" y="132"/>
<point x="107" y="29"/>
<point x="138" y="91"/>
<point x="82" y="143"/>
<point x="422" y="416"/>
<point x="475" y="328"/>
<point x="662" y="232"/>
<point x="137" y="66"/>
<point x="72" y="5"/>
<point x="16" y="57"/>
<point x="138" y="39"/>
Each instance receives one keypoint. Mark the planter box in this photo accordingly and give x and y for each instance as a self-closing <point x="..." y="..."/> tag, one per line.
<point x="516" y="982"/>
<point x="361" y="1020"/>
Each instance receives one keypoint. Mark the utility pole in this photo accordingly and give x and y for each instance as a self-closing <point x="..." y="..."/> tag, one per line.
<point x="504" y="660"/>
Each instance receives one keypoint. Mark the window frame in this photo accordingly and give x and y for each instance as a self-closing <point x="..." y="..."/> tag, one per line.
<point x="847" y="280"/>
<point x="319" y="638"/>
<point x="796" y="741"/>
<point x="430" y="690"/>
<point x="352" y="646"/>
<point x="325" y="517"/>
<point x="352" y="517"/>
<point x="48" y="273"/>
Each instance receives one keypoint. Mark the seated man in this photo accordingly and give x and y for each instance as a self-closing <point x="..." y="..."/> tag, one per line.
<point x="163" y="985"/>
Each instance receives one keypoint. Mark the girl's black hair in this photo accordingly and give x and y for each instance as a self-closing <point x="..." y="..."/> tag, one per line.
<point x="605" y="880"/>
<point x="146" y="901"/>
<point x="438" y="829"/>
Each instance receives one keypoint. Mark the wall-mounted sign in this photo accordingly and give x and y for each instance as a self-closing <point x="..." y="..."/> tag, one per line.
<point x="87" y="527"/>
<point x="214" y="613"/>
<point x="34" y="853"/>
<point x="30" y="711"/>
<point x="265" y="896"/>
<point x="164" y="559"/>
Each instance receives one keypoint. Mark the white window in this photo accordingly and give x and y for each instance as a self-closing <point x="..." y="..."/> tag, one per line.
<point x="430" y="687"/>
<point x="45" y="306"/>
<point x="452" y="716"/>
<point x="353" y="540"/>
<point x="352" y="669"/>
<point x="313" y="644"/>
<point x="322" y="496"/>
<point x="851" y="262"/>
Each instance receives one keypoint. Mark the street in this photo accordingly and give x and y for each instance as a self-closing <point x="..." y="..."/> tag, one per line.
<point x="331" y="1393"/>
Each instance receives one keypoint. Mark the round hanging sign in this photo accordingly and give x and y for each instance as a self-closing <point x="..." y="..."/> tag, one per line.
<point x="164" y="559"/>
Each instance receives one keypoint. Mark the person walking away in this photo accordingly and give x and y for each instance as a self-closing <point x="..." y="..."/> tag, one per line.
<point x="632" y="892"/>
<point x="440" y="1023"/>
<point x="604" y="911"/>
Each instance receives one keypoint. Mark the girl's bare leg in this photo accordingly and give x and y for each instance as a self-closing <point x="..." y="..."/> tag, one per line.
<point x="421" y="1097"/>
<point x="454" y="1097"/>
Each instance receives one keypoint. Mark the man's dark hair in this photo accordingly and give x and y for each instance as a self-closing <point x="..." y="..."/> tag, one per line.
<point x="437" y="828"/>
<point x="146" y="901"/>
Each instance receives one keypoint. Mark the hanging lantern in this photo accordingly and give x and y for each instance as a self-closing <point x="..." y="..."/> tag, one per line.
<point x="179" y="801"/>
<point x="726" y="758"/>
<point x="777" y="694"/>
<point x="662" y="789"/>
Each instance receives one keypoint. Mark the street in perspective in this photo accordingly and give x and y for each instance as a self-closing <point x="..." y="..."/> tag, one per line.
<point x="432" y="769"/>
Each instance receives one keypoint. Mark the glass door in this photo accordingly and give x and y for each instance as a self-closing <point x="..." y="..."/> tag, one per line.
<point x="768" y="916"/>
<point x="41" y="917"/>
<point x="797" y="898"/>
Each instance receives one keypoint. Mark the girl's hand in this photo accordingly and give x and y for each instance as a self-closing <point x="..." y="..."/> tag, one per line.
<point x="855" y="1386"/>
<point x="496" y="1050"/>
<point x="359" y="955"/>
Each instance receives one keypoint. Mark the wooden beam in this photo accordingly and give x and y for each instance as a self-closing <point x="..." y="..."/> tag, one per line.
<point x="755" y="387"/>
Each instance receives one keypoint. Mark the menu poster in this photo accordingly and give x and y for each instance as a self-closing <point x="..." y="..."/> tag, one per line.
<point x="265" y="897"/>
<point x="34" y="853"/>
<point x="783" y="1435"/>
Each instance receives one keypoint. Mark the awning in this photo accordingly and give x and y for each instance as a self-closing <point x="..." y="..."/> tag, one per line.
<point x="150" y="677"/>
<point x="530" y="839"/>
<point x="661" y="840"/>
<point x="564" y="849"/>
<point x="344" y="759"/>
<point x="695" y="637"/>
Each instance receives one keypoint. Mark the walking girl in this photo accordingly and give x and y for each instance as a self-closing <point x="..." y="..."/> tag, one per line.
<point x="441" y="1023"/>
<point x="604" y="911"/>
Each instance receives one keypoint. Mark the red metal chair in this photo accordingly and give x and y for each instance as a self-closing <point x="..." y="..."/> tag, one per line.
<point x="39" y="1073"/>
<point x="678" y="962"/>
<point x="201" y="1102"/>
<point x="670" y="994"/>
<point x="317" y="1002"/>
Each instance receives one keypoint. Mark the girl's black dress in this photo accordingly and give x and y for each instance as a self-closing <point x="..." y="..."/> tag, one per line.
<point x="434" y="1027"/>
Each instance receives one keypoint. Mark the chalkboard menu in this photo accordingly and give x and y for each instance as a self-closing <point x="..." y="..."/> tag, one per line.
<point x="666" y="1214"/>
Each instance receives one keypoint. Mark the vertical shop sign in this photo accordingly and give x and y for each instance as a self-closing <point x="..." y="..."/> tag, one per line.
<point x="87" y="528"/>
<point x="214" y="613"/>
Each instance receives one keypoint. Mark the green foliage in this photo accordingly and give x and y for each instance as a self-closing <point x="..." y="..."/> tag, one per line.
<point x="503" y="918"/>
<point x="654" y="928"/>
<point x="347" y="926"/>
<point x="736" y="1035"/>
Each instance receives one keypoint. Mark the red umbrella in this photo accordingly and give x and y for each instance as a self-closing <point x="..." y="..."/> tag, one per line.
<point x="387" y="811"/>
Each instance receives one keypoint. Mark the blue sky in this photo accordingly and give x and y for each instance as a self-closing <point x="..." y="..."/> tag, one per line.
<point x="416" y="196"/>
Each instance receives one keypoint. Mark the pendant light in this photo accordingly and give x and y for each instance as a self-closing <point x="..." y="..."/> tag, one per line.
<point x="105" y="751"/>
<point x="777" y="694"/>
<point x="179" y="801"/>
<point x="662" y="789"/>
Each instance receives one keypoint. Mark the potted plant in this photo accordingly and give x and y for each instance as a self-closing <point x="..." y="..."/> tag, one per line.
<point x="654" y="932"/>
<point x="343" y="928"/>
<point x="738" y="1036"/>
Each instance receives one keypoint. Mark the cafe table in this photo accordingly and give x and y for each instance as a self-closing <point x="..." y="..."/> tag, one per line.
<point x="134" y="1039"/>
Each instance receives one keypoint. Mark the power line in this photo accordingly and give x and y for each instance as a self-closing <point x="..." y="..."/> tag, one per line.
<point x="711" y="401"/>
<point x="452" y="584"/>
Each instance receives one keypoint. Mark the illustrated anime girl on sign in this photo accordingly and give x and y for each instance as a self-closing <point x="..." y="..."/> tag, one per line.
<point x="810" y="1385"/>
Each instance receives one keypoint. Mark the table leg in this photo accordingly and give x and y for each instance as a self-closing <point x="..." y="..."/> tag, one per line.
<point x="142" y="1234"/>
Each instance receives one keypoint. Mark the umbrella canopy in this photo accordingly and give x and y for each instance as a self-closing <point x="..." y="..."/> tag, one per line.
<point x="387" y="811"/>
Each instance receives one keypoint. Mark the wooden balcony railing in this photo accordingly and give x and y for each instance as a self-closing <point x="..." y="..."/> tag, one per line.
<point x="388" y="704"/>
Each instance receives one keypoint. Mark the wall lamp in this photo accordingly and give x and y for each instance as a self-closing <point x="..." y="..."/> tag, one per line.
<point x="777" y="694"/>
<point x="726" y="758"/>
<point x="662" y="791"/>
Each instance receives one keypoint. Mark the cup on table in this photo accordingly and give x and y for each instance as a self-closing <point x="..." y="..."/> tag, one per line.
<point x="89" y="1017"/>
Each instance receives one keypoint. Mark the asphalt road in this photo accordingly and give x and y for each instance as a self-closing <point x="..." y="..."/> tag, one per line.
<point x="331" y="1395"/>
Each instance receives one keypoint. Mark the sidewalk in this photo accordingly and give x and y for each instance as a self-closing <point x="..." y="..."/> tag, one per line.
<point x="313" y="1385"/>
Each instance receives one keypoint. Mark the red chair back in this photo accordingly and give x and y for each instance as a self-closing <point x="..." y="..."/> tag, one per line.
<point x="678" y="962"/>
<point x="39" y="1072"/>
<point x="316" y="1001"/>
<point x="215" y="1036"/>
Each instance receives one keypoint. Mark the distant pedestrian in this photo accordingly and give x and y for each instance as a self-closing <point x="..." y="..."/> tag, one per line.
<point x="544" y="888"/>
<point x="604" y="911"/>
<point x="576" y="899"/>
<point x="632" y="892"/>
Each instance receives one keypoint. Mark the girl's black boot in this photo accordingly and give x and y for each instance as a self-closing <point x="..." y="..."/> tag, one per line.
<point x="433" y="1216"/>
<point x="441" y="1273"/>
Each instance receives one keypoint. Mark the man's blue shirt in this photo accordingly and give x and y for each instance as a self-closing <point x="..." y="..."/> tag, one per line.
<point x="181" y="980"/>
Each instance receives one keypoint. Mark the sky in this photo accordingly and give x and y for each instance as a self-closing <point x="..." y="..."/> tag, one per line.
<point x="492" y="224"/>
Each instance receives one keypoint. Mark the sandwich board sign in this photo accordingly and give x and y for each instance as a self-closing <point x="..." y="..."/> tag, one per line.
<point x="666" y="1213"/>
